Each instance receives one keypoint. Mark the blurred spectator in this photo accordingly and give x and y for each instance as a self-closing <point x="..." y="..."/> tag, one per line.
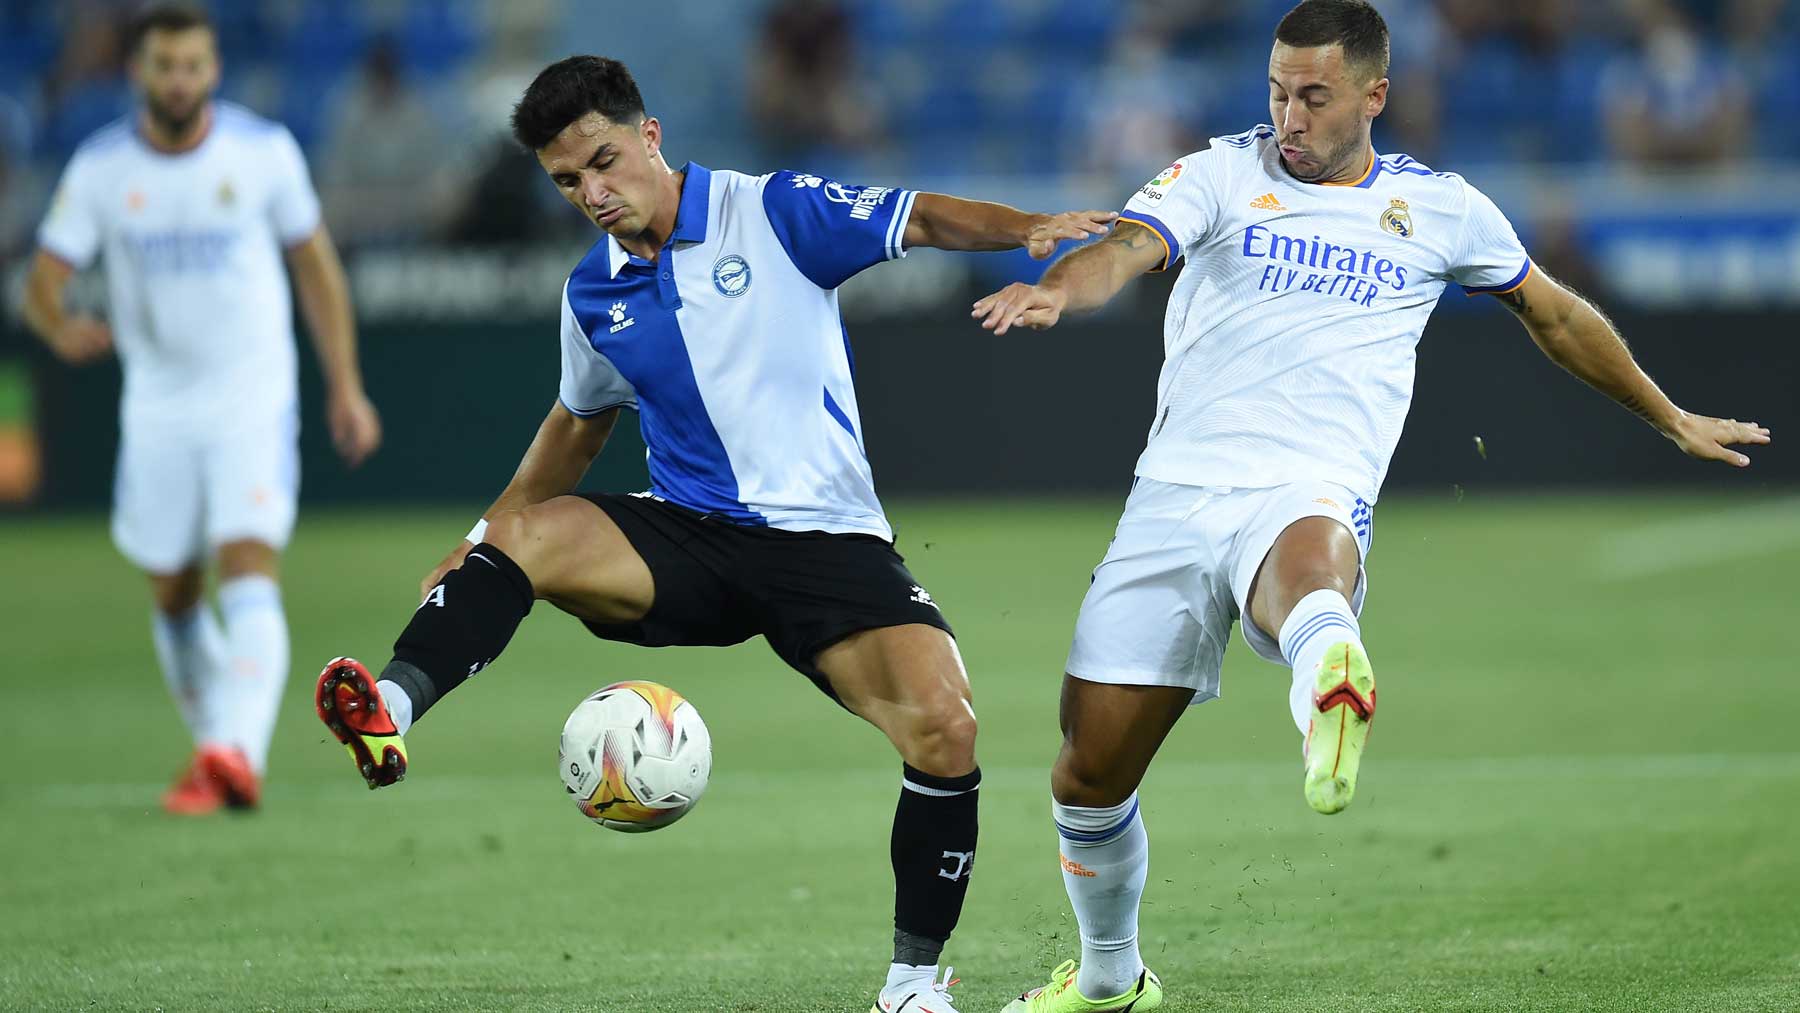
<point x="86" y="87"/>
<point x="508" y="201"/>
<point x="1559" y="248"/>
<point x="390" y="169"/>
<point x="1676" y="100"/>
<point x="1146" y="111"/>
<point x="1420" y="48"/>
<point x="807" y="104"/>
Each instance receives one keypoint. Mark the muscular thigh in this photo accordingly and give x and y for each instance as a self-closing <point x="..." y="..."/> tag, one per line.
<point x="578" y="559"/>
<point x="885" y="674"/>
<point x="909" y="682"/>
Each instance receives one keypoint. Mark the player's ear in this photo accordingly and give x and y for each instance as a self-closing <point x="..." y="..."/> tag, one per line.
<point x="651" y="132"/>
<point x="1378" y="98"/>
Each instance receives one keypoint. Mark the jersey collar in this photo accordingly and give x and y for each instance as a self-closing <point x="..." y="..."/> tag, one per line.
<point x="690" y="218"/>
<point x="1361" y="182"/>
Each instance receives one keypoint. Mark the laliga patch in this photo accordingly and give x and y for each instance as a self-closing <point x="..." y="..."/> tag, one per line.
<point x="1158" y="188"/>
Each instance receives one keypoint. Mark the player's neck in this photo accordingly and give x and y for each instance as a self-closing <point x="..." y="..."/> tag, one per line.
<point x="648" y="243"/>
<point x="170" y="143"/>
<point x="1357" y="169"/>
<point x="1354" y="170"/>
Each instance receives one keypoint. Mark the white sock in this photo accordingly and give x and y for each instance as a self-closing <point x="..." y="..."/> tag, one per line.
<point x="399" y="705"/>
<point x="257" y="637"/>
<point x="1321" y="619"/>
<point x="190" y="647"/>
<point x="1105" y="860"/>
<point x="900" y="974"/>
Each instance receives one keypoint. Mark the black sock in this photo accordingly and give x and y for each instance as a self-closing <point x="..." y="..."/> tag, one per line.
<point x="460" y="627"/>
<point x="934" y="853"/>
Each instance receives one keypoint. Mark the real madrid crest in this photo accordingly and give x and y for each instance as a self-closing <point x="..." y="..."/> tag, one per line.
<point x="1397" y="219"/>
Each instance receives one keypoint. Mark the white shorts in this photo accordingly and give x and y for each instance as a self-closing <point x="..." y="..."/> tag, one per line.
<point x="1178" y="573"/>
<point x="177" y="497"/>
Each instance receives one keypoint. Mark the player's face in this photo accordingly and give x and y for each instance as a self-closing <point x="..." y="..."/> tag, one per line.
<point x="1322" y="108"/>
<point x="178" y="72"/>
<point x="608" y="170"/>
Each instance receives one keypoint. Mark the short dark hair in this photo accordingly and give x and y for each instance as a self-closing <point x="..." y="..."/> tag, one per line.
<point x="1354" y="24"/>
<point x="569" y="89"/>
<point x="165" y="17"/>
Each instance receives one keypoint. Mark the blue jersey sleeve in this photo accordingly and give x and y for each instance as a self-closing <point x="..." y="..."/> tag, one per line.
<point x="832" y="231"/>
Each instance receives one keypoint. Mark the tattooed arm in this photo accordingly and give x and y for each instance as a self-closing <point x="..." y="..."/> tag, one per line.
<point x="1579" y="338"/>
<point x="1083" y="280"/>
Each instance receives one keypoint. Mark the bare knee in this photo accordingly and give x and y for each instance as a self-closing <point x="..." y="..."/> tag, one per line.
<point x="1308" y="580"/>
<point x="178" y="593"/>
<point x="938" y="738"/>
<point x="536" y="536"/>
<point x="528" y="537"/>
<point x="1090" y="781"/>
<point x="247" y="557"/>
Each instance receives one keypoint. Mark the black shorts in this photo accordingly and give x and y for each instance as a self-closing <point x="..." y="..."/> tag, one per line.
<point x="720" y="583"/>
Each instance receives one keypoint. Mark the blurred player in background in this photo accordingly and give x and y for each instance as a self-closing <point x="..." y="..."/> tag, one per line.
<point x="1313" y="264"/>
<point x="194" y="205"/>
<point x="711" y="307"/>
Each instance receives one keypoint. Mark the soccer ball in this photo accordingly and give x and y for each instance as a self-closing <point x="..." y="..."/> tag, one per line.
<point x="635" y="756"/>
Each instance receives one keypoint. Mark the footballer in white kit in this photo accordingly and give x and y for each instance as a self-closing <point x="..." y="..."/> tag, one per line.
<point x="191" y="206"/>
<point x="1312" y="264"/>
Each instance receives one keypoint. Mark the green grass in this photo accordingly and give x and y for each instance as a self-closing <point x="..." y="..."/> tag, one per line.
<point x="1581" y="793"/>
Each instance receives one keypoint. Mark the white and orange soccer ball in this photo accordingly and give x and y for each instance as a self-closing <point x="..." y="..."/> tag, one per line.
<point x="635" y="756"/>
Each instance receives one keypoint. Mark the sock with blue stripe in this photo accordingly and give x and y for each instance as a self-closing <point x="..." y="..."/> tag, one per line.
<point x="1321" y="619"/>
<point x="1105" y="861"/>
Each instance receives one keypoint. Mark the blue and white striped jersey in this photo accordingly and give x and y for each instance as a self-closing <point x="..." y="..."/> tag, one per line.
<point x="731" y="348"/>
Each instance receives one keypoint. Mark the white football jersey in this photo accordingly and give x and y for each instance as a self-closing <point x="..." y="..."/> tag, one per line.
<point x="1290" y="336"/>
<point x="192" y="247"/>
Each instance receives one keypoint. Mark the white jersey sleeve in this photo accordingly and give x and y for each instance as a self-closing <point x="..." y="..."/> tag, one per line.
<point x="71" y="231"/>
<point x="590" y="382"/>
<point x="1180" y="204"/>
<point x="293" y="205"/>
<point x="1488" y="258"/>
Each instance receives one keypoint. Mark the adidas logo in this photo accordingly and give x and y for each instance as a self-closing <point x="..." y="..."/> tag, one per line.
<point x="1267" y="202"/>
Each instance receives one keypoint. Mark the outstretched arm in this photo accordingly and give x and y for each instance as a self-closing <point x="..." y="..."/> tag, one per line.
<point x="1083" y="280"/>
<point x="952" y="223"/>
<point x="1580" y="339"/>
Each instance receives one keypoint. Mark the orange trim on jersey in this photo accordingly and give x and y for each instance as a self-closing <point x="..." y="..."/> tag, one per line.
<point x="1358" y="180"/>
<point x="1529" y="269"/>
<point x="1168" y="254"/>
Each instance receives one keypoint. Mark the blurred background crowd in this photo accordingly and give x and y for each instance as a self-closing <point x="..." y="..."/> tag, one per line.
<point x="1645" y="149"/>
<point x="402" y="103"/>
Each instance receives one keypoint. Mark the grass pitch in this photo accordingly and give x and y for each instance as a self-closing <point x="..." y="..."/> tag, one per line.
<point x="1581" y="792"/>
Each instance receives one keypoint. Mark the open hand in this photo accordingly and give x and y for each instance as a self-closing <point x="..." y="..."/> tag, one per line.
<point x="1049" y="230"/>
<point x="1708" y="438"/>
<point x="1032" y="306"/>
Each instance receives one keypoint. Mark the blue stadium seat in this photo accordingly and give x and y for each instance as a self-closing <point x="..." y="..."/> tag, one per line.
<point x="81" y="112"/>
<point x="437" y="37"/>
